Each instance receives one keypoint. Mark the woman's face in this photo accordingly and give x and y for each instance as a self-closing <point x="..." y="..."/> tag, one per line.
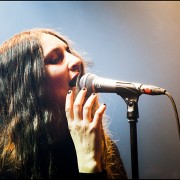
<point x="62" y="67"/>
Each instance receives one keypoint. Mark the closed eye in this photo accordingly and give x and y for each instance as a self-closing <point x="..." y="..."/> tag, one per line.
<point x="55" y="57"/>
<point x="54" y="61"/>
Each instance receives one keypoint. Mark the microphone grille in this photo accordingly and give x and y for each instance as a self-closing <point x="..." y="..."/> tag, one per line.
<point x="86" y="81"/>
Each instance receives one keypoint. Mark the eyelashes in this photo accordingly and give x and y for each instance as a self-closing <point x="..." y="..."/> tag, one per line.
<point x="54" y="61"/>
<point x="57" y="56"/>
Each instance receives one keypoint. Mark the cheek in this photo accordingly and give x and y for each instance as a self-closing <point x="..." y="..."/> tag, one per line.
<point x="54" y="71"/>
<point x="58" y="82"/>
<point x="57" y="73"/>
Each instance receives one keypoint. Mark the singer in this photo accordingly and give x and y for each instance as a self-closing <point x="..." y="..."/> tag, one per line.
<point x="49" y="127"/>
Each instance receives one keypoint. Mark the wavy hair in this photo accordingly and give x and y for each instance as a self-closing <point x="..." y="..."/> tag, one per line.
<point x="27" y="147"/>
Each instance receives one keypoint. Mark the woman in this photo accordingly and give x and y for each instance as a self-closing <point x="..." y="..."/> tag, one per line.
<point x="49" y="127"/>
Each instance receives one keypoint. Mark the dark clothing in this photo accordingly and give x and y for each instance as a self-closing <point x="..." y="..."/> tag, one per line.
<point x="63" y="166"/>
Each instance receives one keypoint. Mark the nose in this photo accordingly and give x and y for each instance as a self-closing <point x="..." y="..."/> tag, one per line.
<point x="75" y="63"/>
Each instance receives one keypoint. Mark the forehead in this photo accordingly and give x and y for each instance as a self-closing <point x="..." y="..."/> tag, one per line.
<point x="50" y="42"/>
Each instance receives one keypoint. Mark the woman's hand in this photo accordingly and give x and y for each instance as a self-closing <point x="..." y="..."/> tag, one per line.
<point x="85" y="130"/>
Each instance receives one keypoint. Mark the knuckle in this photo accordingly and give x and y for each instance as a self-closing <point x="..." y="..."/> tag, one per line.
<point x="86" y="107"/>
<point x="76" y="106"/>
<point x="67" y="110"/>
<point x="99" y="114"/>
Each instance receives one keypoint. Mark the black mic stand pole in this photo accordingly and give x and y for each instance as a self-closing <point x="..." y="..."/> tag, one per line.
<point x="132" y="115"/>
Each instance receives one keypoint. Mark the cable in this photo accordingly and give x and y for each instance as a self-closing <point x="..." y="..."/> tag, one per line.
<point x="176" y="112"/>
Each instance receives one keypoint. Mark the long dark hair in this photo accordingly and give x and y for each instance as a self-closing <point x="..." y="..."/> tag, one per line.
<point x="26" y="146"/>
<point x="24" y="113"/>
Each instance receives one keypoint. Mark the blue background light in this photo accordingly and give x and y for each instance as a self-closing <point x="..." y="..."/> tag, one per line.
<point x="136" y="41"/>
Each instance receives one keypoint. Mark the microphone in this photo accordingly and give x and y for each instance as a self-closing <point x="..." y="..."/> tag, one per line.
<point x="94" y="83"/>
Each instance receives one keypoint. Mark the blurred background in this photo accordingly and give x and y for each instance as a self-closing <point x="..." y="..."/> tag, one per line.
<point x="136" y="41"/>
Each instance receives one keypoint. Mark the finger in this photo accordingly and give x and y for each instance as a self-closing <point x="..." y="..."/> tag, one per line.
<point x="99" y="115"/>
<point x="87" y="109"/>
<point x="69" y="105"/>
<point x="78" y="103"/>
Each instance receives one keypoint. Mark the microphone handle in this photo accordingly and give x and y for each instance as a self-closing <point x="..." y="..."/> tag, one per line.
<point x="114" y="86"/>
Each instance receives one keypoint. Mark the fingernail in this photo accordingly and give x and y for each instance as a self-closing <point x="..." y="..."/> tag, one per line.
<point x="69" y="91"/>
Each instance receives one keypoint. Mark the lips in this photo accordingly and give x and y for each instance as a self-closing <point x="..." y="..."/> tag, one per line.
<point x="73" y="81"/>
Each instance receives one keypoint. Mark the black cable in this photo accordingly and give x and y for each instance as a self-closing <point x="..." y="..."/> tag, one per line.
<point x="176" y="112"/>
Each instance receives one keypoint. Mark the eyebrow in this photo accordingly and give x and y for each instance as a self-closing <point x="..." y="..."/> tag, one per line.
<point x="54" y="50"/>
<point x="51" y="51"/>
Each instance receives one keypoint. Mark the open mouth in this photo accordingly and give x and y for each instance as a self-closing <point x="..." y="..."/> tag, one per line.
<point x="73" y="81"/>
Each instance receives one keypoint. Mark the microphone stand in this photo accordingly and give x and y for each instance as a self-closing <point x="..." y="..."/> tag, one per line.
<point x="132" y="115"/>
